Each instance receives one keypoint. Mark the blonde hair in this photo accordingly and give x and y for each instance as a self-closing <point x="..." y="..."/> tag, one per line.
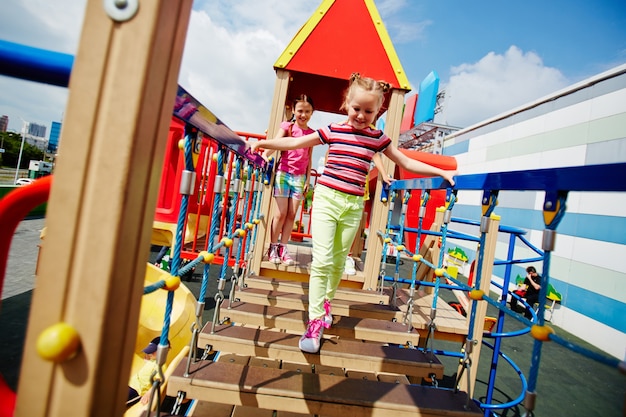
<point x="368" y="85"/>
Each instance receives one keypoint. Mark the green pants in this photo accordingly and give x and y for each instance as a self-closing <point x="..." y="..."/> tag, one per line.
<point x="335" y="220"/>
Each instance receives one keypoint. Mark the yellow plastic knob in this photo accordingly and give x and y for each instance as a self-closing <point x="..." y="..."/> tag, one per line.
<point x="541" y="332"/>
<point x="207" y="257"/>
<point x="172" y="283"/>
<point x="58" y="343"/>
<point x="476" y="294"/>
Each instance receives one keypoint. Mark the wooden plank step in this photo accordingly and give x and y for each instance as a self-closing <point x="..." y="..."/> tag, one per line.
<point x="338" y="352"/>
<point x="285" y="390"/>
<point x="302" y="288"/>
<point x="295" y="320"/>
<point x="340" y="307"/>
<point x="450" y="325"/>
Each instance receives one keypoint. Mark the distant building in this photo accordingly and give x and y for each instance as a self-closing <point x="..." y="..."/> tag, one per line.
<point x="36" y="136"/>
<point x="426" y="137"/>
<point x="55" y="134"/>
<point x="37" y="130"/>
<point x="4" y="123"/>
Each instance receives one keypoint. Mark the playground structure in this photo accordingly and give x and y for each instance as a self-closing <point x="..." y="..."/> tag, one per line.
<point x="225" y="156"/>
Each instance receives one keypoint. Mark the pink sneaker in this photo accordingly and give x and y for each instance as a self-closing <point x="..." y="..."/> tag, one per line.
<point x="328" y="318"/>
<point x="285" y="257"/>
<point x="311" y="339"/>
<point x="273" y="253"/>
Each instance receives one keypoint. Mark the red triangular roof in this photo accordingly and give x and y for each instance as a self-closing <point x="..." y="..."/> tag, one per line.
<point x="342" y="37"/>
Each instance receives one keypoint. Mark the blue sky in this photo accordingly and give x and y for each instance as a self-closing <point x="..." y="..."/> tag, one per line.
<point x="491" y="56"/>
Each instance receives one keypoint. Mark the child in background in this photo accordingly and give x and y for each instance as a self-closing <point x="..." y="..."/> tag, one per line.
<point x="140" y="384"/>
<point x="532" y="284"/>
<point x="291" y="180"/>
<point x="339" y="192"/>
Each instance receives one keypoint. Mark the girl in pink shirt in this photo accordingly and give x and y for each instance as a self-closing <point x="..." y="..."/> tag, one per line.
<point x="291" y="180"/>
<point x="339" y="192"/>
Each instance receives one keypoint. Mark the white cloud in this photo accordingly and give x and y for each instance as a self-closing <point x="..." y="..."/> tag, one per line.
<point x="53" y="25"/>
<point x="229" y="55"/>
<point x="495" y="84"/>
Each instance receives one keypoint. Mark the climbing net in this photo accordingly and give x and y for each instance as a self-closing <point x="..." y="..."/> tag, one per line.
<point x="246" y="232"/>
<point x="392" y="236"/>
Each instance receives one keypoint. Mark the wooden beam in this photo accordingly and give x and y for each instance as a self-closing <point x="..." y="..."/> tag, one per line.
<point x="491" y="240"/>
<point x="277" y="114"/>
<point x="101" y="208"/>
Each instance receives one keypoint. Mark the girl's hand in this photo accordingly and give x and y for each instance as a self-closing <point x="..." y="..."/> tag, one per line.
<point x="449" y="176"/>
<point x="252" y="146"/>
<point x="388" y="179"/>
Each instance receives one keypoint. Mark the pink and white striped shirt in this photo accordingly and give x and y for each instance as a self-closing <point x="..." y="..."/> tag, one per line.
<point x="350" y="153"/>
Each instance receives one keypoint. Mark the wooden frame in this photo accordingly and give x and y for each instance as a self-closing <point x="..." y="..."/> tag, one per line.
<point x="100" y="212"/>
<point x="378" y="217"/>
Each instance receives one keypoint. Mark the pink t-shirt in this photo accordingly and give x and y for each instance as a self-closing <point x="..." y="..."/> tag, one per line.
<point x="295" y="161"/>
<point x="350" y="152"/>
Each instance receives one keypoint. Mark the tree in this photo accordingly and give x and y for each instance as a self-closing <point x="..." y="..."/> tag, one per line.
<point x="12" y="142"/>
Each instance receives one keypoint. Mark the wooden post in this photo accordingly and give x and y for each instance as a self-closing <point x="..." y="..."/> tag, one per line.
<point x="489" y="256"/>
<point x="101" y="208"/>
<point x="276" y="116"/>
<point x="378" y="218"/>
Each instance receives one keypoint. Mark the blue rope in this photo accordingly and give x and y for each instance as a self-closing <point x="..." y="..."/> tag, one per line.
<point x="180" y="230"/>
<point x="214" y="223"/>
<point x="424" y="201"/>
<point x="233" y="214"/>
<point x="148" y="289"/>
<point x="444" y="232"/>
<point x="246" y="203"/>
<point x="257" y="198"/>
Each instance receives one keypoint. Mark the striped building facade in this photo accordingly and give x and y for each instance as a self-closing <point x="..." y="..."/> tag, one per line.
<point x="584" y="124"/>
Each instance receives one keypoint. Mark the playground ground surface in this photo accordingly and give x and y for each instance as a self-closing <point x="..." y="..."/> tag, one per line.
<point x="568" y="385"/>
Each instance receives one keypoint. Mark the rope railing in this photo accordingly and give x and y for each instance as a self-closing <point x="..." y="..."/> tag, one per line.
<point x="555" y="182"/>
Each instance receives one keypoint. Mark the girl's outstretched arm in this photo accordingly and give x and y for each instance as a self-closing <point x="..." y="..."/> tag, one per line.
<point x="280" y="144"/>
<point x="268" y="152"/>
<point x="417" y="167"/>
<point x="382" y="174"/>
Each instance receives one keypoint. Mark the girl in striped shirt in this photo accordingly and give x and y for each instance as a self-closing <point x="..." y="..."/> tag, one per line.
<point x="339" y="192"/>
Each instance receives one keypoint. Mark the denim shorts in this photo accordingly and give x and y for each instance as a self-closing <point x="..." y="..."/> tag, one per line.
<point x="289" y="185"/>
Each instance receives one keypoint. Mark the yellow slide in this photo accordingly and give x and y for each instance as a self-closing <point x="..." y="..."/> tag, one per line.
<point x="150" y="326"/>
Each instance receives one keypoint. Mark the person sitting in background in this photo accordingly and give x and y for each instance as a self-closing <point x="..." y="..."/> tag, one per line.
<point x="533" y="285"/>
<point x="140" y="384"/>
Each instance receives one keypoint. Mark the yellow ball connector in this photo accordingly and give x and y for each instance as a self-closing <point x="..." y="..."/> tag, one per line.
<point x="58" y="343"/>
<point x="541" y="333"/>
<point x="172" y="283"/>
<point x="207" y="257"/>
